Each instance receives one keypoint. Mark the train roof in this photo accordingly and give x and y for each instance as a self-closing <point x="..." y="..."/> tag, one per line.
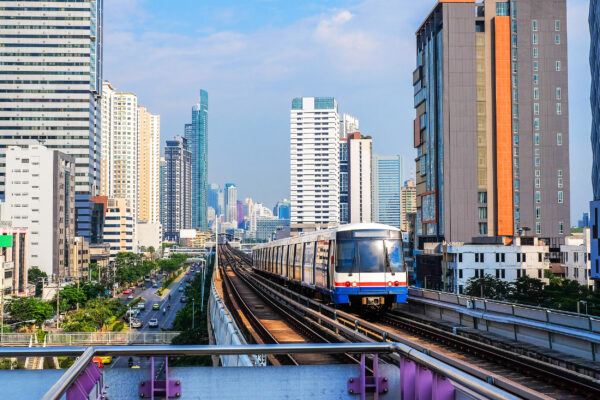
<point x="341" y="228"/>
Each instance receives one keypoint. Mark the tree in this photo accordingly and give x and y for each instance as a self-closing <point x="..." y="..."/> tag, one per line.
<point x="69" y="297"/>
<point x="36" y="276"/>
<point x="151" y="250"/>
<point x="527" y="290"/>
<point x="94" y="272"/>
<point x="28" y="308"/>
<point x="490" y="286"/>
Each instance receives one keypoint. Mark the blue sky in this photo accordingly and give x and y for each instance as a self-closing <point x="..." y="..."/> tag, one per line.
<point x="254" y="56"/>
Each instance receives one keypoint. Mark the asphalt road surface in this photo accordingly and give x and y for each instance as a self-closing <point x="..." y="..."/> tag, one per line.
<point x="165" y="320"/>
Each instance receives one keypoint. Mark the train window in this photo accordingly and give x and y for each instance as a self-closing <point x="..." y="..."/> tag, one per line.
<point x="298" y="261"/>
<point x="394" y="251"/>
<point x="346" y="256"/>
<point x="321" y="263"/>
<point x="309" y="258"/>
<point x="285" y="260"/>
<point x="371" y="255"/>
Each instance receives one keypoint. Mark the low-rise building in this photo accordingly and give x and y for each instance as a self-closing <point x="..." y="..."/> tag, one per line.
<point x="79" y="258"/>
<point x="14" y="248"/>
<point x="149" y="234"/>
<point x="118" y="226"/>
<point x="508" y="261"/>
<point x="100" y="255"/>
<point x="575" y="257"/>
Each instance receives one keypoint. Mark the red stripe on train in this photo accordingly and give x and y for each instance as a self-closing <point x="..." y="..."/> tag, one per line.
<point x="369" y="284"/>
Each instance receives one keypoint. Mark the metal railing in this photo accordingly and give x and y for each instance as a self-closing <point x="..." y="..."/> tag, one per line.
<point x="92" y="338"/>
<point x="85" y="356"/>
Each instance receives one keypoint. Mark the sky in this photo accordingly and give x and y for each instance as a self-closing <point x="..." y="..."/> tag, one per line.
<point x="254" y="56"/>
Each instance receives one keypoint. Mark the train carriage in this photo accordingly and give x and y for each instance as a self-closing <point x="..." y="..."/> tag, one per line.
<point x="357" y="264"/>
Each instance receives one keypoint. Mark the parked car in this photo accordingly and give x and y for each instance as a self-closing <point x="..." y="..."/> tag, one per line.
<point x="155" y="306"/>
<point x="183" y="299"/>
<point x="154" y="285"/>
<point x="181" y="288"/>
<point x="128" y="291"/>
<point x="141" y="305"/>
<point x="136" y="323"/>
<point x="130" y="296"/>
<point x="153" y="323"/>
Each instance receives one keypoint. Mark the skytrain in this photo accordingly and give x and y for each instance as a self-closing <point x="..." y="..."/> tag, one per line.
<point x="357" y="264"/>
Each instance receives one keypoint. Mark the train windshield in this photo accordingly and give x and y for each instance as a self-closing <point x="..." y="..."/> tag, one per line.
<point x="369" y="255"/>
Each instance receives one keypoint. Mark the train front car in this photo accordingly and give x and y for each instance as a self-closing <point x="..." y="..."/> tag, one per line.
<point x="369" y="270"/>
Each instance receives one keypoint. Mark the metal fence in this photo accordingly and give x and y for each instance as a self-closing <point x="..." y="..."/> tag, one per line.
<point x="92" y="338"/>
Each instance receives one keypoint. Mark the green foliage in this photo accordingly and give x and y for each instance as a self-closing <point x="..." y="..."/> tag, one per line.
<point x="130" y="268"/>
<point x="94" y="271"/>
<point x="151" y="250"/>
<point x="94" y="316"/>
<point x="490" y="286"/>
<point x="28" y="308"/>
<point x="69" y="298"/>
<point x="118" y="327"/>
<point x="35" y="275"/>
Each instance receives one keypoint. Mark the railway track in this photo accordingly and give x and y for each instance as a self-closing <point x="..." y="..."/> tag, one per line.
<point x="520" y="375"/>
<point x="267" y="322"/>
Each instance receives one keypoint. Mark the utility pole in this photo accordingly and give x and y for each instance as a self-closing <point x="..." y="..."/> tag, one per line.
<point x="57" y="304"/>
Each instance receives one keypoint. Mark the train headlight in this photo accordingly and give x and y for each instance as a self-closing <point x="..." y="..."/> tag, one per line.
<point x="347" y="284"/>
<point x="390" y="283"/>
<point x="353" y="284"/>
<point x="396" y="283"/>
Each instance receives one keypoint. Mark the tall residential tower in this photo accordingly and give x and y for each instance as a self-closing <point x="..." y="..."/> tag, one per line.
<point x="491" y="126"/>
<point x="178" y="188"/>
<point x="197" y="136"/>
<point x="594" y="22"/>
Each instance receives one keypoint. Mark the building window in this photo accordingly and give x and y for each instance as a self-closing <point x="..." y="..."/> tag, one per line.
<point x="535" y="79"/>
<point x="561" y="228"/>
<point x="536" y="93"/>
<point x="536" y="108"/>
<point x="502" y="9"/>
<point x="483" y="197"/>
<point x="559" y="173"/>
<point x="538" y="213"/>
<point x="560" y="197"/>
<point x="534" y="39"/>
<point x="560" y="183"/>
<point x="559" y="139"/>
<point x="538" y="182"/>
<point x="483" y="228"/>
<point x="518" y="273"/>
<point x="536" y="124"/>
<point x="558" y="108"/>
<point x="558" y="93"/>
<point x="536" y="137"/>
<point x="557" y="25"/>
<point x="534" y="25"/>
<point x="537" y="161"/>
<point x="535" y="52"/>
<point x="482" y="212"/>
<point x="557" y="39"/>
<point x="476" y="260"/>
<point x="460" y="274"/>
<point x="538" y="228"/>
<point x="497" y="258"/>
<point x="460" y="257"/>
<point x="535" y="66"/>
<point x="557" y="66"/>
<point x="538" y="197"/>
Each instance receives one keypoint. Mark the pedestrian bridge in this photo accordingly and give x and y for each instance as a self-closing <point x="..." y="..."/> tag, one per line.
<point x="89" y="339"/>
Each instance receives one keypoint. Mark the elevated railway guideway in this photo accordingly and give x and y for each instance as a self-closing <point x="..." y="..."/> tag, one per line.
<point x="523" y="376"/>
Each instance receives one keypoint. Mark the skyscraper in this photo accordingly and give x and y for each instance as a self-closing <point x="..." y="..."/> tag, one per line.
<point x="491" y="126"/>
<point x="119" y="151"/>
<point x="284" y="209"/>
<point x="408" y="202"/>
<point x="212" y="198"/>
<point x="230" y="194"/>
<point x="178" y="188"/>
<point x="52" y="84"/>
<point x="240" y="213"/>
<point x="149" y="166"/>
<point x="163" y="188"/>
<point x="314" y="162"/>
<point x="359" y="177"/>
<point x="198" y="142"/>
<point x="387" y="183"/>
<point x="594" y="22"/>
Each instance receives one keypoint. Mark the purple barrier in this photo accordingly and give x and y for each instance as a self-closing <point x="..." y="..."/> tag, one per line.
<point x="420" y="383"/>
<point x="85" y="383"/>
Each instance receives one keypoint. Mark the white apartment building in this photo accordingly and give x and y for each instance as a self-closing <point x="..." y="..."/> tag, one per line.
<point x="359" y="178"/>
<point x="51" y="83"/>
<point x="230" y="194"/>
<point x="118" y="226"/>
<point x="148" y="166"/>
<point x="575" y="257"/>
<point x="349" y="124"/>
<point x="505" y="262"/>
<point x="314" y="162"/>
<point x="40" y="196"/>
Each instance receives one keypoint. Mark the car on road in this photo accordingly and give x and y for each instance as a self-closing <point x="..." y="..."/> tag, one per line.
<point x="136" y="323"/>
<point x="141" y="306"/>
<point x="155" y="306"/>
<point x="130" y="296"/>
<point x="181" y="288"/>
<point x="154" y="285"/>
<point x="153" y="323"/>
<point x="187" y="272"/>
<point x="183" y="299"/>
<point x="127" y="291"/>
<point x="103" y="359"/>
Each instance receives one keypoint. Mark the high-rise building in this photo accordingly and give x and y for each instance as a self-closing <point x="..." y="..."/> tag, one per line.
<point x="349" y="124"/>
<point x="314" y="162"/>
<point x="387" y="183"/>
<point x="178" y="188"/>
<point x="212" y="198"/>
<point x="120" y="146"/>
<point x="149" y="166"/>
<point x="359" y="177"/>
<point x="163" y="188"/>
<point x="240" y="213"/>
<point x="594" y="22"/>
<point x="344" y="183"/>
<point x="283" y="209"/>
<point x="491" y="126"/>
<point x="230" y="193"/>
<point x="52" y="84"/>
<point x="408" y="202"/>
<point x="198" y="143"/>
<point x="40" y="196"/>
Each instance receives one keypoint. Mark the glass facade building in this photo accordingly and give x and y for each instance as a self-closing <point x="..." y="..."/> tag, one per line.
<point x="387" y="185"/>
<point x="51" y="87"/>
<point x="197" y="135"/>
<point x="594" y="22"/>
